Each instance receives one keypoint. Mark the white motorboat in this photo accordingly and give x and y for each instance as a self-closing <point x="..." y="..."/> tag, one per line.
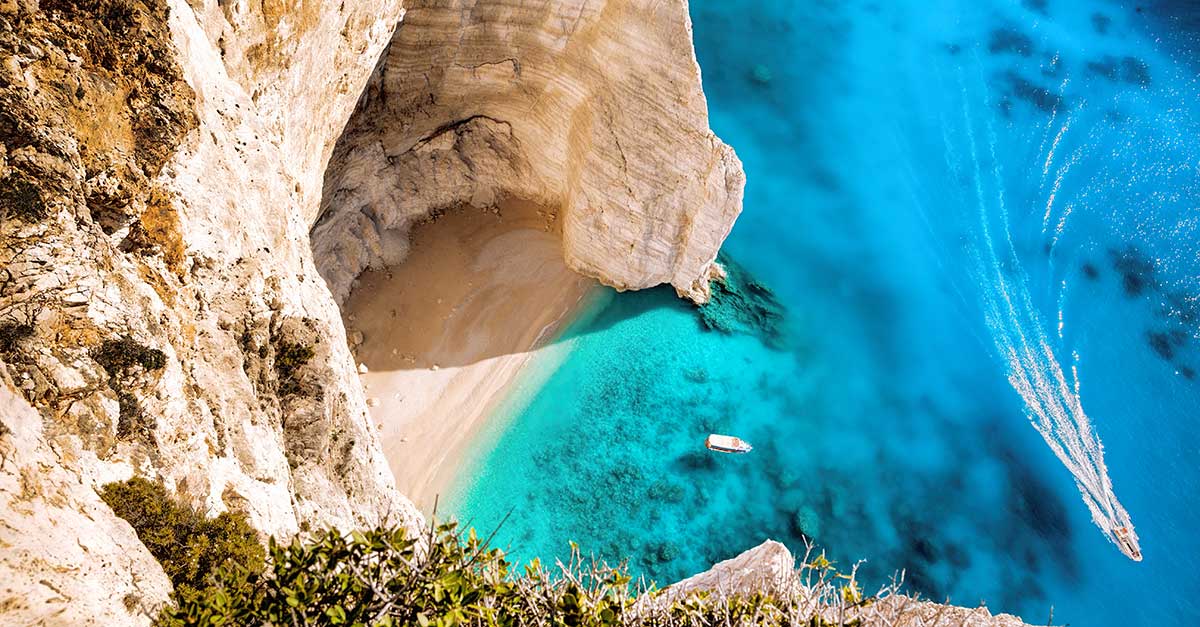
<point x="727" y="444"/>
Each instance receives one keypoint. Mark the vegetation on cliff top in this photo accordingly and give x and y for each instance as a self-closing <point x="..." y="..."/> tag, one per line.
<point x="387" y="577"/>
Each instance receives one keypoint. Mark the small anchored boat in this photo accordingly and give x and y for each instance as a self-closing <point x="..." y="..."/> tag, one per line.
<point x="727" y="444"/>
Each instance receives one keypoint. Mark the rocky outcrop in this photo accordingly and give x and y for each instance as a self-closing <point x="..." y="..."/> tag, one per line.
<point x="159" y="307"/>
<point x="771" y="569"/>
<point x="768" y="566"/>
<point x="65" y="558"/>
<point x="587" y="107"/>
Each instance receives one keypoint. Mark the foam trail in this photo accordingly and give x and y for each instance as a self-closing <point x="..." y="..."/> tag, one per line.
<point x="1053" y="405"/>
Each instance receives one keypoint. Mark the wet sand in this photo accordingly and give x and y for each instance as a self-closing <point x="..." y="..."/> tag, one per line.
<point x="447" y="332"/>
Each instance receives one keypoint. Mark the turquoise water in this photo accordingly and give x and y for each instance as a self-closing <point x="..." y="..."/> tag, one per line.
<point x="931" y="187"/>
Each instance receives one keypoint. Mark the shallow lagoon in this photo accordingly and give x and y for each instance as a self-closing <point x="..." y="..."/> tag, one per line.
<point x="882" y="141"/>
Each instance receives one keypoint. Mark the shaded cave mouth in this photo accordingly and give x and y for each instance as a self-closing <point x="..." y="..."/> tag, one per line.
<point x="473" y="283"/>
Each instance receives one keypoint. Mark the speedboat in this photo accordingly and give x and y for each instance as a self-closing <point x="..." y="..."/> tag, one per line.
<point x="727" y="444"/>
<point x="1128" y="543"/>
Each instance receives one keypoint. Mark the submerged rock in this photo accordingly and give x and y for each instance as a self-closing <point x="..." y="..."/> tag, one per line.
<point x="740" y="304"/>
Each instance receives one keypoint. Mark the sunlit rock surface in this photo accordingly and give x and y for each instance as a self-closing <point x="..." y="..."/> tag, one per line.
<point x="159" y="167"/>
<point x="589" y="107"/>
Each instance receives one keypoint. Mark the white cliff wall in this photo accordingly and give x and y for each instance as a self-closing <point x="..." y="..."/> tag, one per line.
<point x="176" y="156"/>
<point x="590" y="108"/>
<point x="274" y="85"/>
<point x="66" y="559"/>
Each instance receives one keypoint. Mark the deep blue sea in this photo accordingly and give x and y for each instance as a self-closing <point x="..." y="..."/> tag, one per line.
<point x="977" y="215"/>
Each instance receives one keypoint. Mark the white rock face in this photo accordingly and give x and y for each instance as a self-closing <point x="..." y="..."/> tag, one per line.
<point x="592" y="109"/>
<point x="273" y="88"/>
<point x="767" y="566"/>
<point x="66" y="558"/>
<point x="771" y="568"/>
<point x="231" y="419"/>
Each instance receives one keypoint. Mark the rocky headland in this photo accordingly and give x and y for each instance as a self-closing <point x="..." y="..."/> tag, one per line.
<point x="190" y="191"/>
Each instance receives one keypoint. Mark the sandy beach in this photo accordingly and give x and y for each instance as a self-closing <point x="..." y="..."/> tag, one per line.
<point x="447" y="332"/>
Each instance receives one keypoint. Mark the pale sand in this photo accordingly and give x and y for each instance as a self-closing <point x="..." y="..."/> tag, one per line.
<point x="449" y="329"/>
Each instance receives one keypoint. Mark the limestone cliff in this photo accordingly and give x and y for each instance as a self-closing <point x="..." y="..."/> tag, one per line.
<point x="159" y="307"/>
<point x="65" y="559"/>
<point x="590" y="108"/>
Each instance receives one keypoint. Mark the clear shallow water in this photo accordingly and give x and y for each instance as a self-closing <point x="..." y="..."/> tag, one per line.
<point x="913" y="168"/>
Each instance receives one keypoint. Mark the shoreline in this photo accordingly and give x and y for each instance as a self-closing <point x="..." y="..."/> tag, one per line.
<point x="542" y="363"/>
<point x="481" y="298"/>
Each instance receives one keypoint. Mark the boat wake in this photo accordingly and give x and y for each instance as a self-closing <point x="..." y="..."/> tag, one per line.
<point x="1052" y="400"/>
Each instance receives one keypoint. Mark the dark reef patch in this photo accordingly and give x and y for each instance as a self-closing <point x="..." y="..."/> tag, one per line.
<point x="1010" y="41"/>
<point x="740" y="304"/>
<point x="1177" y="311"/>
<point x="1106" y="67"/>
<point x="1089" y="271"/>
<point x="1027" y="91"/>
<point x="1161" y="344"/>
<point x="1175" y="15"/>
<point x="1101" y="23"/>
<point x="1131" y="70"/>
<point x="1041" y="7"/>
<point x="1183" y="307"/>
<point x="1137" y="272"/>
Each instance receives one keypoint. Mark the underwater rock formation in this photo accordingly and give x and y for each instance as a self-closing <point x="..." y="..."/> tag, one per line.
<point x="740" y="304"/>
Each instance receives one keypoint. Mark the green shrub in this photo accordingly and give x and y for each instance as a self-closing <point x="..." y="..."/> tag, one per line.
<point x="385" y="577"/>
<point x="289" y="358"/>
<point x="21" y="199"/>
<point x="11" y="333"/>
<point x="382" y="578"/>
<point x="190" y="547"/>
<point x="130" y="419"/>
<point x="119" y="356"/>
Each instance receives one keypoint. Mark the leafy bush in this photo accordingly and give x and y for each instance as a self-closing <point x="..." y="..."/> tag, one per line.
<point x="118" y="356"/>
<point x="130" y="418"/>
<point x="11" y="333"/>
<point x="289" y="358"/>
<point x="385" y="577"/>
<point x="189" y="546"/>
<point x="21" y="199"/>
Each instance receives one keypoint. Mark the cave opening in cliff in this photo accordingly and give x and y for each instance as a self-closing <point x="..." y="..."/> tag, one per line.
<point x="475" y="284"/>
<point x="450" y="280"/>
<point x="441" y="333"/>
<point x="447" y="280"/>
